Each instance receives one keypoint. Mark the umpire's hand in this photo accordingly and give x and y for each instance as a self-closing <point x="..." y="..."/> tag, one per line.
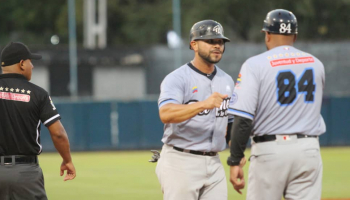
<point x="69" y="167"/>
<point x="237" y="178"/>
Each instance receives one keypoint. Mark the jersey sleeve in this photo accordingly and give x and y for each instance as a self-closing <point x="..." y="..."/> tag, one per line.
<point x="171" y="90"/>
<point x="323" y="77"/>
<point x="230" y="117"/>
<point x="48" y="112"/>
<point x="244" y="99"/>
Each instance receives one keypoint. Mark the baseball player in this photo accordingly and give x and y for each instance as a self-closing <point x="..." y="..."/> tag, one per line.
<point x="193" y="106"/>
<point x="23" y="108"/>
<point x="278" y="96"/>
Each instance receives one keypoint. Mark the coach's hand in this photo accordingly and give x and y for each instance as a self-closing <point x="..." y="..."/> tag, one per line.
<point x="214" y="101"/>
<point x="237" y="178"/>
<point x="243" y="162"/>
<point x="69" y="167"/>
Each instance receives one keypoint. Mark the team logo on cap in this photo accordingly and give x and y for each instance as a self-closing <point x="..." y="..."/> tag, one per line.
<point x="217" y="29"/>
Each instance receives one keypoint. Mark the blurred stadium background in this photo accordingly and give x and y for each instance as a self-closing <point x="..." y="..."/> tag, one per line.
<point x="103" y="62"/>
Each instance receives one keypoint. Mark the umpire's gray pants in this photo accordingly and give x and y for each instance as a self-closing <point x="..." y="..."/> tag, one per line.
<point x="185" y="176"/>
<point x="288" y="167"/>
<point x="22" y="181"/>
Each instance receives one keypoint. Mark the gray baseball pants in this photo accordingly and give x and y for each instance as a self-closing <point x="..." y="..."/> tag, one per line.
<point x="185" y="176"/>
<point x="289" y="167"/>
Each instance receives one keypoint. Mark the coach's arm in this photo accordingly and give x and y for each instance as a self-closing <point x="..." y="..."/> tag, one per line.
<point x="240" y="133"/>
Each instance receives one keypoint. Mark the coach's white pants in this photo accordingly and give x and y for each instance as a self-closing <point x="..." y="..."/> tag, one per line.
<point x="185" y="176"/>
<point x="291" y="168"/>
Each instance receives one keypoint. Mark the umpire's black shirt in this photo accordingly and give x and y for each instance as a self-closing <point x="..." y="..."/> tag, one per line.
<point x="23" y="107"/>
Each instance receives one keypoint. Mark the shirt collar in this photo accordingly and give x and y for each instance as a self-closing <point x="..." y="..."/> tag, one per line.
<point x="20" y="76"/>
<point x="210" y="76"/>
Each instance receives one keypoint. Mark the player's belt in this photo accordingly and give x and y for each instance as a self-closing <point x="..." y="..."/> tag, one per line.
<point x="268" y="138"/>
<point x="18" y="159"/>
<point x="196" y="152"/>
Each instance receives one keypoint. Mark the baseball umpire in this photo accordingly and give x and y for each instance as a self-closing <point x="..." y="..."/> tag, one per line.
<point x="279" y="97"/>
<point x="23" y="108"/>
<point x="193" y="106"/>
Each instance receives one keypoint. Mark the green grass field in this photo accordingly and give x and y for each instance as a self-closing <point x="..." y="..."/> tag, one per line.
<point x="127" y="175"/>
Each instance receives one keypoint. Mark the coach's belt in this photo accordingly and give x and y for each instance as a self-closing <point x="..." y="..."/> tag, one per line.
<point x="267" y="138"/>
<point x="195" y="152"/>
<point x="18" y="159"/>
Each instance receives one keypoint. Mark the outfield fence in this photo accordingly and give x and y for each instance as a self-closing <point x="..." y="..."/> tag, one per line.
<point x="117" y="125"/>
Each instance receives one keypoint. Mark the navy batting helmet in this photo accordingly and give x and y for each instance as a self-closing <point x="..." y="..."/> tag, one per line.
<point x="207" y="29"/>
<point x="281" y="21"/>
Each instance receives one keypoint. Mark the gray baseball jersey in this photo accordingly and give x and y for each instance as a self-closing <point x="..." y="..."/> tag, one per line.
<point x="205" y="131"/>
<point x="270" y="83"/>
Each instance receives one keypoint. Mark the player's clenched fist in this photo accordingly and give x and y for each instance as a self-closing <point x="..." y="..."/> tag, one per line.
<point x="214" y="101"/>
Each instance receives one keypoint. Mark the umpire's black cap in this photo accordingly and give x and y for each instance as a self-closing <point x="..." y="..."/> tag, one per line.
<point x="14" y="52"/>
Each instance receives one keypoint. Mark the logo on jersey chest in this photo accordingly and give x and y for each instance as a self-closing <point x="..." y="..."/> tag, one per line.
<point x="204" y="112"/>
<point x="222" y="111"/>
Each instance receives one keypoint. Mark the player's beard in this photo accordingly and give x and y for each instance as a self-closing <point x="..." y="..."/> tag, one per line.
<point x="209" y="57"/>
